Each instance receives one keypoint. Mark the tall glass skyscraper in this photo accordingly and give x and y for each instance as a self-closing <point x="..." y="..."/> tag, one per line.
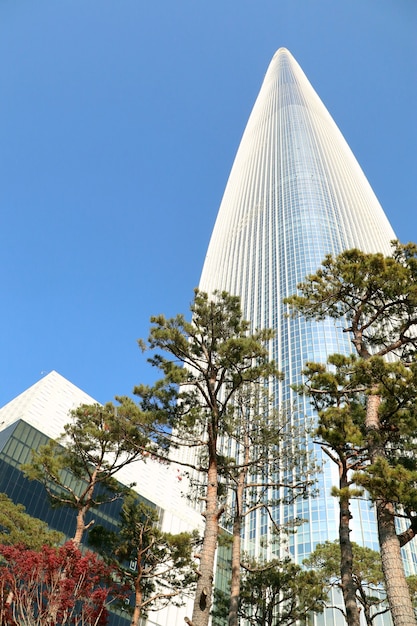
<point x="295" y="193"/>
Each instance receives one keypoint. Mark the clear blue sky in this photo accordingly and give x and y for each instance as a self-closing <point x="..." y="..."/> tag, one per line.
<point x="119" y="122"/>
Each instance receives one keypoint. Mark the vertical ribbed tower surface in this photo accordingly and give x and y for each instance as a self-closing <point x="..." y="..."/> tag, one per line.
<point x="295" y="193"/>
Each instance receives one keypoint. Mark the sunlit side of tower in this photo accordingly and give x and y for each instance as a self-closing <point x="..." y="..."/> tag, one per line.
<point x="295" y="193"/>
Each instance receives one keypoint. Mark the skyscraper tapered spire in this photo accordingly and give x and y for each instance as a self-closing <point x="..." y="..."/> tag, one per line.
<point x="295" y="193"/>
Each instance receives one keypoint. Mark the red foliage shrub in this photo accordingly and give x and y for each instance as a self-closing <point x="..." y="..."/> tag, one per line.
<point x="54" y="587"/>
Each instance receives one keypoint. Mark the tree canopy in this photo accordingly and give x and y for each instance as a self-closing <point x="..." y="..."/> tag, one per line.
<point x="18" y="527"/>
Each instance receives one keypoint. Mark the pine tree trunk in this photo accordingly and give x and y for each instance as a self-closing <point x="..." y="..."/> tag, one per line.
<point x="398" y="593"/>
<point x="138" y="604"/>
<point x="83" y="509"/>
<point x="204" y="589"/>
<point x="392" y="566"/>
<point x="367" y="614"/>
<point x="80" y="527"/>
<point x="236" y="543"/>
<point x="346" y="553"/>
<point x="235" y="582"/>
<point x="236" y="553"/>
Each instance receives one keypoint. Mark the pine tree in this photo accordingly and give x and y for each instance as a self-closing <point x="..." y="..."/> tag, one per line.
<point x="157" y="566"/>
<point x="276" y="592"/>
<point x="376" y="296"/>
<point x="78" y="470"/>
<point x="205" y="362"/>
<point x="366" y="571"/>
<point x="254" y="475"/>
<point x="340" y="433"/>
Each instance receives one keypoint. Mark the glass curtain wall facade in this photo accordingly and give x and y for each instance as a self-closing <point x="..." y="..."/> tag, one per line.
<point x="294" y="194"/>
